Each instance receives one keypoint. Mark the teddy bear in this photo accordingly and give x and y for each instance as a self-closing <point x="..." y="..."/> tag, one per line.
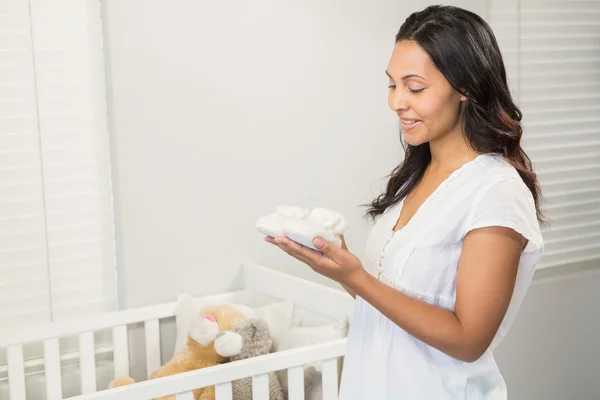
<point x="210" y="341"/>
<point x="256" y="341"/>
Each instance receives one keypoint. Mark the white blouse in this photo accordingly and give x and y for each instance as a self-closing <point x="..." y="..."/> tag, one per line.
<point x="421" y="260"/>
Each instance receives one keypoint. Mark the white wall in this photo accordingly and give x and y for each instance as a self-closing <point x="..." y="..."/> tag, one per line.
<point x="223" y="110"/>
<point x="217" y="106"/>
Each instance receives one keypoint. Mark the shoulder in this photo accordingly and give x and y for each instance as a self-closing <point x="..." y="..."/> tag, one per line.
<point x="503" y="199"/>
<point x="495" y="166"/>
<point x="497" y="174"/>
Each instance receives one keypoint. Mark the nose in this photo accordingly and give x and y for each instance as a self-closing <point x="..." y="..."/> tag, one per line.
<point x="397" y="100"/>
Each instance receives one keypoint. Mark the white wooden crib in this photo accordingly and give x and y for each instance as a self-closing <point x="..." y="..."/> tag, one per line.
<point x="259" y="282"/>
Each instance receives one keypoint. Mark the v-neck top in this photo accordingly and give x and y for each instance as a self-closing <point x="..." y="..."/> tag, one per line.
<point x="421" y="259"/>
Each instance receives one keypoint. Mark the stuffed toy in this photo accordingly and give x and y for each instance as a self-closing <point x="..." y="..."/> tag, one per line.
<point x="210" y="342"/>
<point x="256" y="341"/>
<point x="303" y="226"/>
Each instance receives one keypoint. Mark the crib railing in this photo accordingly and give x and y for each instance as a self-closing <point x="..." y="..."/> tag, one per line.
<point x="183" y="384"/>
<point x="84" y="328"/>
<point x="222" y="376"/>
<point x="258" y="281"/>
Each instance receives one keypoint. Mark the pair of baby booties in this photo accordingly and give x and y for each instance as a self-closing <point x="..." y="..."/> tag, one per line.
<point x="303" y="225"/>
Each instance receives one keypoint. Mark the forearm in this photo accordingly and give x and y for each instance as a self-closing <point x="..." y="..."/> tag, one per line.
<point x="346" y="288"/>
<point x="433" y="325"/>
<point x="350" y="291"/>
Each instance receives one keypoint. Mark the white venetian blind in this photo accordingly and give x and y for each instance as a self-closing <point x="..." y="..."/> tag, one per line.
<point x="24" y="279"/>
<point x="56" y="222"/>
<point x="552" y="52"/>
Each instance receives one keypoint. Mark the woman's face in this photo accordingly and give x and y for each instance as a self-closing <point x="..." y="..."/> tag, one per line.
<point x="428" y="107"/>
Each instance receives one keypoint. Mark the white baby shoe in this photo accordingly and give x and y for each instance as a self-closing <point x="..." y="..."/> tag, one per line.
<point x="273" y="224"/>
<point x="304" y="232"/>
<point x="330" y="219"/>
<point x="292" y="212"/>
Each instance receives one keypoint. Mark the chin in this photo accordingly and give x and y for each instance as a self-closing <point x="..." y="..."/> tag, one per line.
<point x="414" y="140"/>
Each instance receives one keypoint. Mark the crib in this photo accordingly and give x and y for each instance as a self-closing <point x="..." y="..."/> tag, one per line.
<point x="122" y="337"/>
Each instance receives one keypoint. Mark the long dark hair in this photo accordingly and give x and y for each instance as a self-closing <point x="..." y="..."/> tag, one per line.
<point x="464" y="49"/>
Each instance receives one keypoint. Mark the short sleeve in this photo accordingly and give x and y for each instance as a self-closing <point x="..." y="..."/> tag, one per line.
<point x="507" y="203"/>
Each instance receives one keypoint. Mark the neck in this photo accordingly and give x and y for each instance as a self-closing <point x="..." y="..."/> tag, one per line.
<point x="451" y="151"/>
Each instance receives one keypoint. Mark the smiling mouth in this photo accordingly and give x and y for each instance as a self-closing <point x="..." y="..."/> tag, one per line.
<point x="409" y="123"/>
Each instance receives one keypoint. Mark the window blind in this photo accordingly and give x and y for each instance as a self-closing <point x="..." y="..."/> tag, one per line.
<point x="24" y="279"/>
<point x="552" y="53"/>
<point x="56" y="221"/>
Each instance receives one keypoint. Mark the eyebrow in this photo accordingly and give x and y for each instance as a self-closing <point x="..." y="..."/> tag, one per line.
<point x="406" y="76"/>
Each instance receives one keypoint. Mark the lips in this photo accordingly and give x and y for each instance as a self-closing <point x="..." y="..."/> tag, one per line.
<point x="408" y="124"/>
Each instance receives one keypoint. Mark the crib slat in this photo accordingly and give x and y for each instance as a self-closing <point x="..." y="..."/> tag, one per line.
<point x="185" y="396"/>
<point x="120" y="350"/>
<point x="52" y="367"/>
<point x="152" y="345"/>
<point x="260" y="387"/>
<point x="16" y="372"/>
<point x="223" y="391"/>
<point x="296" y="383"/>
<point x="330" y="379"/>
<point x="87" y="362"/>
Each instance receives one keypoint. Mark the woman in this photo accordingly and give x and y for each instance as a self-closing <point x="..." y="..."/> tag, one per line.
<point x="457" y="235"/>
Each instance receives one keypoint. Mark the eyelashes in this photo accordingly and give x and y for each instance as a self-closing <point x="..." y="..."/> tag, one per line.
<point x="409" y="89"/>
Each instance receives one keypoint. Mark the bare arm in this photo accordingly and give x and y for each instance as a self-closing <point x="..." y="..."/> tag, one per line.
<point x="350" y="292"/>
<point x="486" y="277"/>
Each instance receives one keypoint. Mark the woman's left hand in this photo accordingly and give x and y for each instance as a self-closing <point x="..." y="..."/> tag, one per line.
<point x="330" y="261"/>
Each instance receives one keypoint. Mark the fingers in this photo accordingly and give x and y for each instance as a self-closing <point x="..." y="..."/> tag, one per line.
<point x="343" y="242"/>
<point x="330" y="250"/>
<point x="312" y="258"/>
